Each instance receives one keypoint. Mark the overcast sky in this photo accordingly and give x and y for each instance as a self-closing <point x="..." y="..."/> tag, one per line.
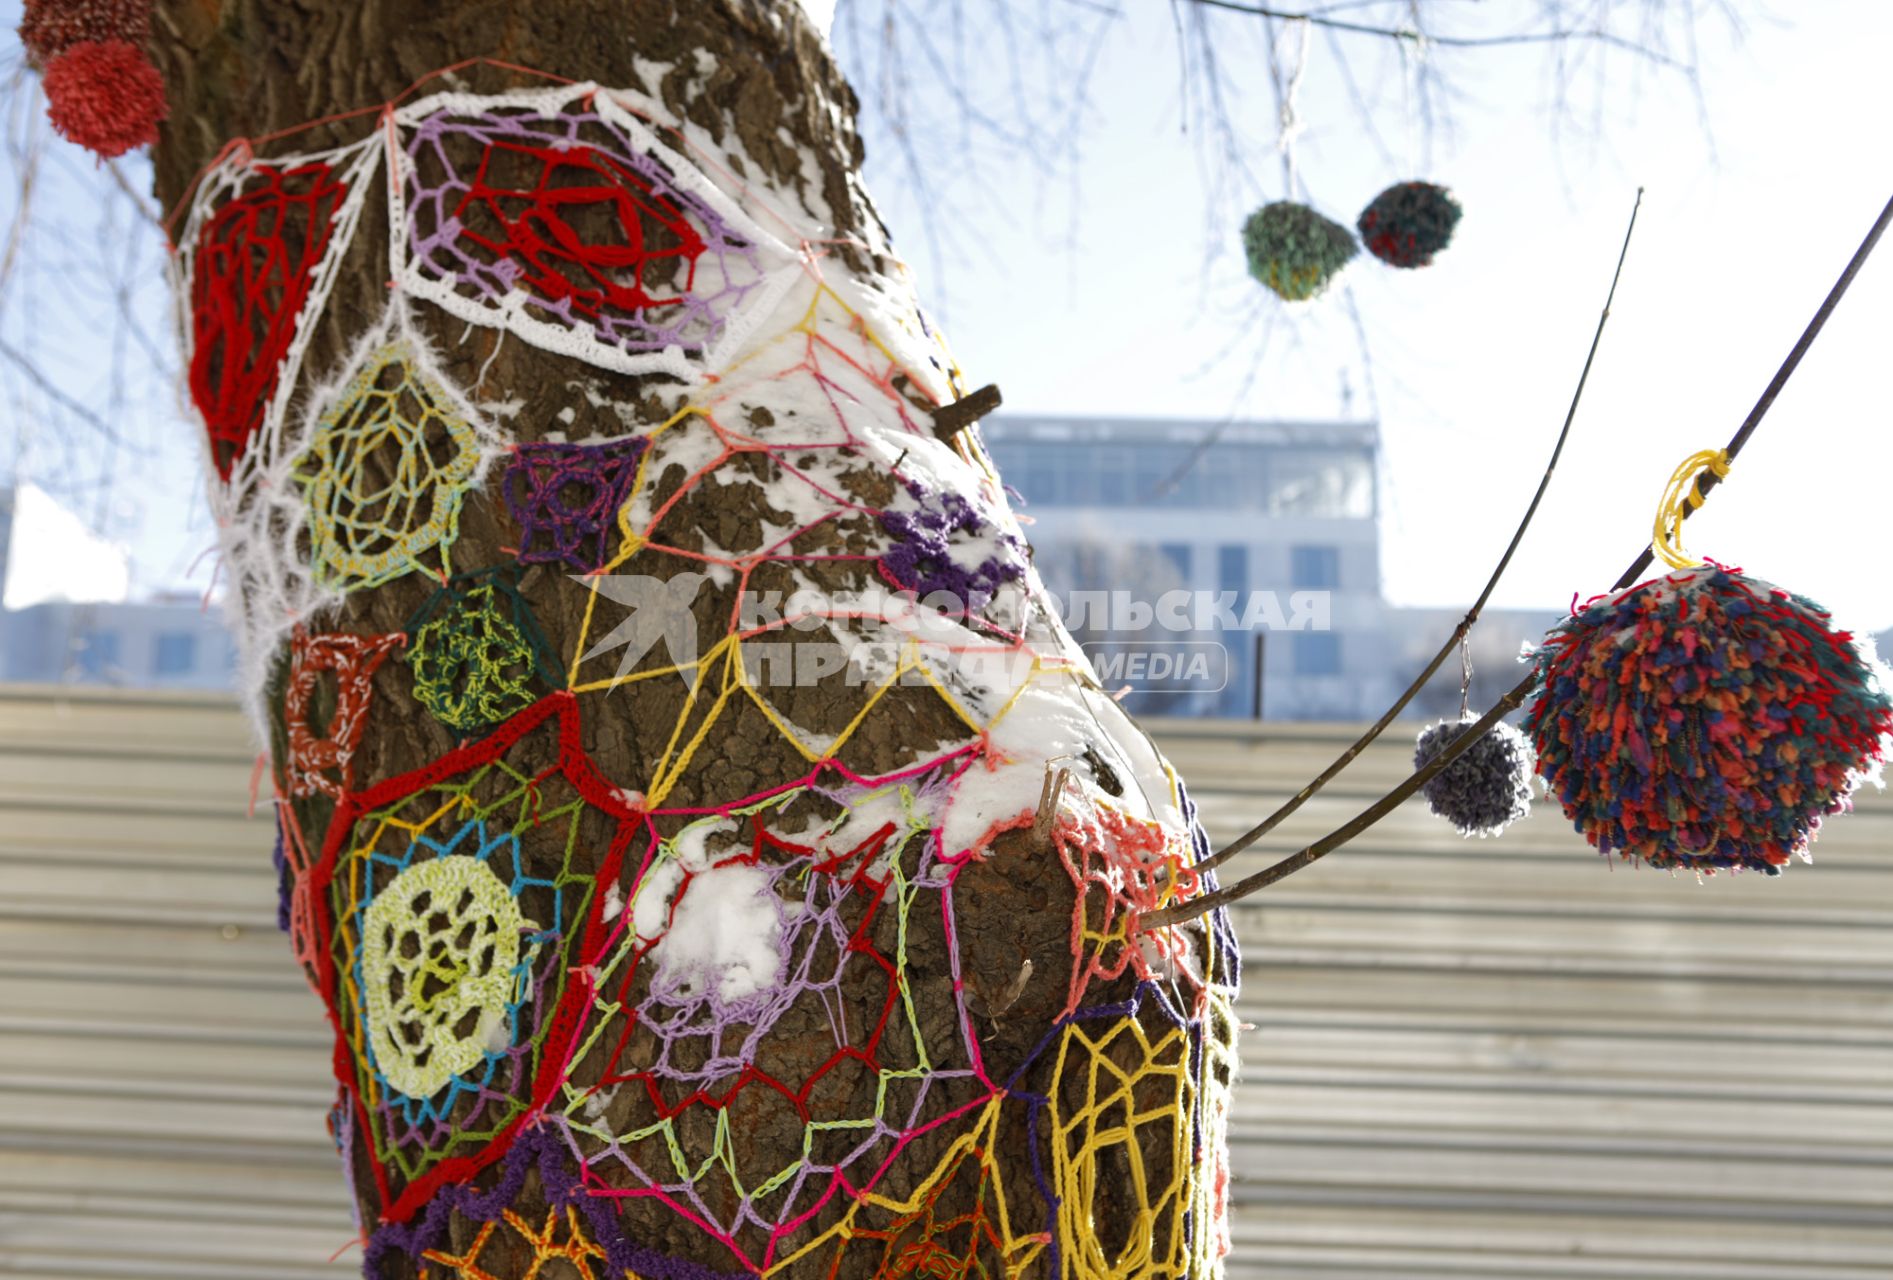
<point x="1473" y="360"/>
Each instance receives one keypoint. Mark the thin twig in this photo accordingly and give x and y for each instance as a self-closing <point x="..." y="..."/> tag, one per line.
<point x="139" y="201"/>
<point x="1379" y="726"/>
<point x="39" y="379"/>
<point x="23" y="211"/>
<point x="1354" y="826"/>
<point x="1456" y="42"/>
<point x="1516" y="696"/>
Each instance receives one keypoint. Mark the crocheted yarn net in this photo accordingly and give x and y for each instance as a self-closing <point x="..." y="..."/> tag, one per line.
<point x="565" y="498"/>
<point x="559" y="994"/>
<point x="478" y="655"/>
<point x="502" y="204"/>
<point x="559" y="1238"/>
<point x="512" y="850"/>
<point x="320" y="758"/>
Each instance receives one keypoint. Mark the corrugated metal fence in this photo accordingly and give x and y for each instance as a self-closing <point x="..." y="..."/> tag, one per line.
<point x="1469" y="1058"/>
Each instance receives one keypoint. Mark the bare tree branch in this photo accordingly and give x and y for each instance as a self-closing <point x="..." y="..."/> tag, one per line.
<point x="1457" y="42"/>
<point x="51" y="391"/>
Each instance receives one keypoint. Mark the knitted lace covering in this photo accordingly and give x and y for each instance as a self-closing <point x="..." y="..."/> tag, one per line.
<point x="553" y="984"/>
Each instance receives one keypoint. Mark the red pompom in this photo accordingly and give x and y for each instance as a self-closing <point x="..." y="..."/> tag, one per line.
<point x="53" y="26"/>
<point x="106" y="96"/>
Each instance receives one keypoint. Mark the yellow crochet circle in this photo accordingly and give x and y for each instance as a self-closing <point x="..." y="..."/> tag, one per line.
<point x="385" y="473"/>
<point x="440" y="943"/>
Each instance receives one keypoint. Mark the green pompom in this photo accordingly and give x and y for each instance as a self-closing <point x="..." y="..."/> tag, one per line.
<point x="1294" y="250"/>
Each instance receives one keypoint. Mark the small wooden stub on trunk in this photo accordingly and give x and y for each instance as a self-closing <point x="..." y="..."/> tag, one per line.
<point x="951" y="419"/>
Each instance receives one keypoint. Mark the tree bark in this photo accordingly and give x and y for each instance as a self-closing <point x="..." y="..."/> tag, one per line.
<point x="526" y="879"/>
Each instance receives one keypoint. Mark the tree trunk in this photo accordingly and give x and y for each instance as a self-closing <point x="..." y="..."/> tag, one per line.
<point x="678" y="888"/>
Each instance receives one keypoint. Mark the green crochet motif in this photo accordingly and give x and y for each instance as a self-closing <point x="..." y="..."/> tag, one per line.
<point x="1294" y="250"/>
<point x="477" y="653"/>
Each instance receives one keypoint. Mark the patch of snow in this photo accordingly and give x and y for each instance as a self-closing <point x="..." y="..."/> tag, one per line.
<point x="821" y="13"/>
<point x="1056" y="715"/>
<point x="725" y="936"/>
<point x="596" y="1104"/>
<point x="650" y="908"/>
<point x="88" y="569"/>
<point x="692" y="845"/>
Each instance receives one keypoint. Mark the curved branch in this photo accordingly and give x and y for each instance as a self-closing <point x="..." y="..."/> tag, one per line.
<point x="1516" y="696"/>
<point x="1354" y="826"/>
<point x="1387" y="717"/>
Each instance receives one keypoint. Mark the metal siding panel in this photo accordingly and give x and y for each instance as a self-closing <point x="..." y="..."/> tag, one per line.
<point x="1467" y="1058"/>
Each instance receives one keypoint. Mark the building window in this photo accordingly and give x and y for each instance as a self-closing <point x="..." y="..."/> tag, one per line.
<point x="98" y="654"/>
<point x="1221" y="480"/>
<point x="1314" y="566"/>
<point x="1165" y="477"/>
<point x="1232" y="571"/>
<point x="1037" y="466"/>
<point x="175" y="654"/>
<point x="1317" y="653"/>
<point x="1329" y="483"/>
<point x="1177" y="554"/>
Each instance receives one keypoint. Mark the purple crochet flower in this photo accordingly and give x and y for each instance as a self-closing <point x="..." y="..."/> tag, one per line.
<point x="923" y="559"/>
<point x="285" y="884"/>
<point x="565" y="499"/>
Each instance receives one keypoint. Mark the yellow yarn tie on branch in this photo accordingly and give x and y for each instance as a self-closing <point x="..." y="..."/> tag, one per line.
<point x="1680" y="497"/>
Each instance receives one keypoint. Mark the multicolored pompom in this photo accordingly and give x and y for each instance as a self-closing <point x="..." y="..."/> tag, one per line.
<point x="106" y="96"/>
<point x="1294" y="250"/>
<point x="1408" y="223"/>
<point x="1706" y="719"/>
<point x="1488" y="787"/>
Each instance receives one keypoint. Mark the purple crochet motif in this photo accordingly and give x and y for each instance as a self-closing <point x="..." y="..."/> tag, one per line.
<point x="1223" y="932"/>
<point x="543" y="1149"/>
<point x="520" y="230"/>
<point x="565" y="499"/>
<point x="922" y="559"/>
<point x="284" y="885"/>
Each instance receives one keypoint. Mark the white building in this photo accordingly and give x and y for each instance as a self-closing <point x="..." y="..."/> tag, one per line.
<point x="1149" y="505"/>
<point x="64" y="616"/>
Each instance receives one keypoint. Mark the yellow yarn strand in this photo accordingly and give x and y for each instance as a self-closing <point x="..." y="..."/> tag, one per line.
<point x="1681" y="496"/>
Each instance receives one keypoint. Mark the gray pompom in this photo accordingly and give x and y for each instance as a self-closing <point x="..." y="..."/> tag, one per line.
<point x="1486" y="789"/>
